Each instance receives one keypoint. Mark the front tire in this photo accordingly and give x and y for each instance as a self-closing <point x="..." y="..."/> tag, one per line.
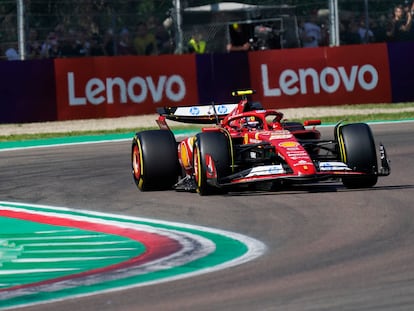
<point x="357" y="149"/>
<point x="217" y="146"/>
<point x="154" y="160"/>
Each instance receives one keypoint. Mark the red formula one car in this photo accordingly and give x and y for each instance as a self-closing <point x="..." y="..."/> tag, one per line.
<point x="251" y="145"/>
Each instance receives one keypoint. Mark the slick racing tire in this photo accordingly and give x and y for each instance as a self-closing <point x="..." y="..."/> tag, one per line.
<point x="357" y="149"/>
<point x="216" y="146"/>
<point x="154" y="160"/>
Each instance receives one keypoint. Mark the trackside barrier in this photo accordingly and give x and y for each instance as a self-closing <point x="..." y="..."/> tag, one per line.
<point x="100" y="87"/>
<point x="401" y="63"/>
<point x="27" y="91"/>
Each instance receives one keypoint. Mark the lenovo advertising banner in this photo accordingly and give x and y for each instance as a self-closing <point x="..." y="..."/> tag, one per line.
<point x="321" y="76"/>
<point x="103" y="87"/>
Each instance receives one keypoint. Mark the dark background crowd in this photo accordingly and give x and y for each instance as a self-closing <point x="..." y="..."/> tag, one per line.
<point x="147" y="38"/>
<point x="148" y="30"/>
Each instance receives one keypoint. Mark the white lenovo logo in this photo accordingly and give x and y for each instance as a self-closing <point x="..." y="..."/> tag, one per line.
<point x="136" y="90"/>
<point x="328" y="80"/>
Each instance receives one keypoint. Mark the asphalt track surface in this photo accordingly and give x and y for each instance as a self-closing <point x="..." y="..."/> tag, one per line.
<point x="329" y="248"/>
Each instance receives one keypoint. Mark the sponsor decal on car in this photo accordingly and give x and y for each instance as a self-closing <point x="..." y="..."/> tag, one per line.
<point x="203" y="111"/>
<point x="195" y="111"/>
<point x="222" y="109"/>
<point x="303" y="163"/>
<point x="266" y="170"/>
<point x="289" y="144"/>
<point x="333" y="166"/>
<point x="282" y="134"/>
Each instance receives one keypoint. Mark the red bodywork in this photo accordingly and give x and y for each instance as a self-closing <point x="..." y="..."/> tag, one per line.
<point x="269" y="128"/>
<point x="263" y="146"/>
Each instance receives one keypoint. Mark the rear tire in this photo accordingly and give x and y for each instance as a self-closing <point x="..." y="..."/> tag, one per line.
<point x="357" y="149"/>
<point x="215" y="144"/>
<point x="154" y="160"/>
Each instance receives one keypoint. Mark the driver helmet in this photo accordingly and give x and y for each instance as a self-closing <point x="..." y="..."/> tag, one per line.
<point x="252" y="122"/>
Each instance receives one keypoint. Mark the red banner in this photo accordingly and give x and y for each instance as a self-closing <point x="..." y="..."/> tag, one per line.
<point x="103" y="87"/>
<point x="321" y="76"/>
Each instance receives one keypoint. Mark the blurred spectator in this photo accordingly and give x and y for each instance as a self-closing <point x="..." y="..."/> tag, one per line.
<point x="75" y="44"/>
<point x="47" y="44"/>
<point x="310" y="32"/>
<point x="239" y="38"/>
<point x="60" y="30"/>
<point x="324" y="33"/>
<point x="401" y="23"/>
<point x="165" y="44"/>
<point x="51" y="48"/>
<point x="69" y="44"/>
<point x="96" y="46"/>
<point x="2" y="52"/>
<point x="33" y="47"/>
<point x="109" y="43"/>
<point x="145" y="42"/>
<point x="196" y="44"/>
<point x="351" y="33"/>
<point x="409" y="10"/>
<point x="162" y="36"/>
<point x="152" y="23"/>
<point x="82" y="43"/>
<point x="168" y="32"/>
<point x="124" y="46"/>
<point x="379" y="28"/>
<point x="12" y="54"/>
<point x="366" y="34"/>
<point x="55" y="50"/>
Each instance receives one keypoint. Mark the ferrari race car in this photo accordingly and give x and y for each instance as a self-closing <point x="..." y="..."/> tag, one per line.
<point x="249" y="145"/>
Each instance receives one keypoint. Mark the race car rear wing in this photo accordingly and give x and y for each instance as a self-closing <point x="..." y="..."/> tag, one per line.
<point x="202" y="114"/>
<point x="208" y="114"/>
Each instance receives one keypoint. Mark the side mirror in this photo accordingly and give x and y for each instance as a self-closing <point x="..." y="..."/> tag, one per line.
<point x="312" y="122"/>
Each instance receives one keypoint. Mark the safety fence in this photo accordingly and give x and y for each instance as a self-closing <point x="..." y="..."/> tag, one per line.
<point x="98" y="27"/>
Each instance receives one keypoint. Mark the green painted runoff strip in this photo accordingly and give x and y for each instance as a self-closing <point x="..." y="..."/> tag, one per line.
<point x="63" y="140"/>
<point x="31" y="252"/>
<point x="229" y="249"/>
<point x="66" y="140"/>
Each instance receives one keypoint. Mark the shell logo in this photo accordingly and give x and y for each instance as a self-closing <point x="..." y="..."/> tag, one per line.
<point x="289" y="144"/>
<point x="185" y="152"/>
